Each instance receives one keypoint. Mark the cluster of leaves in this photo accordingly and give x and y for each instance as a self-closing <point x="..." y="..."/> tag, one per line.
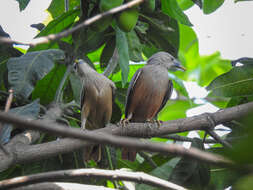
<point x="42" y="75"/>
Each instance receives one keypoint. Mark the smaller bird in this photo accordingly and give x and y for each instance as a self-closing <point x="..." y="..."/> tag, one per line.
<point x="148" y="91"/>
<point x="97" y="98"/>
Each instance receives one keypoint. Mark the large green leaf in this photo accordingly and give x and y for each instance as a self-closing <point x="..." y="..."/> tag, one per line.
<point x="162" y="172"/>
<point x="57" y="25"/>
<point x="162" y="34"/>
<point x="25" y="71"/>
<point x="172" y="9"/>
<point x="107" y="52"/>
<point x="76" y="86"/>
<point x="135" y="47"/>
<point x="210" y="6"/>
<point x="29" y="111"/>
<point x="46" y="88"/>
<point x="87" y="41"/>
<point x="57" y="7"/>
<point x="122" y="47"/>
<point x="191" y="173"/>
<point x="237" y="82"/>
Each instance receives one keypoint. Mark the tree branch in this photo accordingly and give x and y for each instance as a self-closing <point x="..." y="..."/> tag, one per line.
<point x="61" y="186"/>
<point x="46" y="150"/>
<point x="138" y="177"/>
<point x="85" y="23"/>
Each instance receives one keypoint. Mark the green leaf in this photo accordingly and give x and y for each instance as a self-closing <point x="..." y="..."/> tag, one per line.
<point x="134" y="46"/>
<point x="191" y="173"/>
<point x="172" y="9"/>
<point x="237" y="82"/>
<point x="162" y="172"/>
<point x="107" y="52"/>
<point x="199" y="3"/>
<point x="46" y="88"/>
<point x="22" y="4"/>
<point x="76" y="86"/>
<point x="210" y="6"/>
<point x="244" y="183"/>
<point x="57" y="7"/>
<point x="163" y="33"/>
<point x="185" y="4"/>
<point x="7" y="50"/>
<point x="202" y="69"/>
<point x="29" y="111"/>
<point x="25" y="71"/>
<point x="57" y="25"/>
<point x="122" y="47"/>
<point x="243" y="60"/>
<point x="87" y="40"/>
<point x="175" y="110"/>
<point x="222" y="178"/>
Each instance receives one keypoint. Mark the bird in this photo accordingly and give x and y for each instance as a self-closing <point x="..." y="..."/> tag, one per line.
<point x="97" y="97"/>
<point x="148" y="92"/>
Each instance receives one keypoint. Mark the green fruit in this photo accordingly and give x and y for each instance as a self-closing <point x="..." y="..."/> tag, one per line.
<point x="127" y="20"/>
<point x="101" y="24"/>
<point x="148" y="6"/>
<point x="106" y="5"/>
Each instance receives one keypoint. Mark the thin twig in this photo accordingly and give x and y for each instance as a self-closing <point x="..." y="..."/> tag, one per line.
<point x="9" y="101"/>
<point x="219" y="139"/>
<point x="148" y="159"/>
<point x="85" y="23"/>
<point x="7" y="108"/>
<point x="138" y="177"/>
<point x="63" y="80"/>
<point x="112" y="63"/>
<point x="188" y="139"/>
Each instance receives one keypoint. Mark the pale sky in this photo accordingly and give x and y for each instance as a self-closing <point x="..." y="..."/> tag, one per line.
<point x="228" y="30"/>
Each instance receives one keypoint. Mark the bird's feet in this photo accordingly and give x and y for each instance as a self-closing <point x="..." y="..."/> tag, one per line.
<point x="124" y="121"/>
<point x="158" y="122"/>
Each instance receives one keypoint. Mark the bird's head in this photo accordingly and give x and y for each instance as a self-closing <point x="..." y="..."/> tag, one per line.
<point x="81" y="67"/>
<point x="166" y="60"/>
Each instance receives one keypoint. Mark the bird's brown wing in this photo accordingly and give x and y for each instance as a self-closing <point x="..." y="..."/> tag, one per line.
<point x="82" y="96"/>
<point x="167" y="95"/>
<point x="130" y="90"/>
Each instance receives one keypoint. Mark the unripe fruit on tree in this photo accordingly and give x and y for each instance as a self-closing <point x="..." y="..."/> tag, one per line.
<point x="127" y="20"/>
<point x="106" y="5"/>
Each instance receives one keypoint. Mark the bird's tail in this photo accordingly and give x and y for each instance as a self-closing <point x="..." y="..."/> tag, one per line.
<point x="128" y="154"/>
<point x="92" y="153"/>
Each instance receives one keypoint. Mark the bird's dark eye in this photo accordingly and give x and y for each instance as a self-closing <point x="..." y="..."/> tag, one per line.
<point x="75" y="66"/>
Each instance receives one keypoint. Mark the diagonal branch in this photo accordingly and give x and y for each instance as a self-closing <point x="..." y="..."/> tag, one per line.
<point x="138" y="177"/>
<point x="31" y="153"/>
<point x="61" y="186"/>
<point x="85" y="23"/>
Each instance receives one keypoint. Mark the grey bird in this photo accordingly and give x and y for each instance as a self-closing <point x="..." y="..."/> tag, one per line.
<point x="97" y="98"/>
<point x="148" y="91"/>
